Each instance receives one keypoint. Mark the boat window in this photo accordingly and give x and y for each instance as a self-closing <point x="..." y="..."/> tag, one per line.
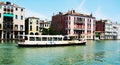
<point x="50" y="39"/>
<point x="26" y="38"/>
<point x="44" y="39"/>
<point x="59" y="39"/>
<point x="38" y="39"/>
<point x="55" y="38"/>
<point x="32" y="39"/>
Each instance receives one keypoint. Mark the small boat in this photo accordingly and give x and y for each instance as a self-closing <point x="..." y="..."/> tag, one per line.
<point x="47" y="40"/>
<point x="96" y="38"/>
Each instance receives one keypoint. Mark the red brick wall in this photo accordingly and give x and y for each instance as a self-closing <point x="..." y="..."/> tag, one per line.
<point x="100" y="26"/>
<point x="58" y="23"/>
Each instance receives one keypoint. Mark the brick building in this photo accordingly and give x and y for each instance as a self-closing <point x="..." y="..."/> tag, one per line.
<point x="74" y="24"/>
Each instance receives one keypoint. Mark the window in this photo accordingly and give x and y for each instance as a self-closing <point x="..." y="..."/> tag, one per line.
<point x="16" y="17"/>
<point x="16" y="26"/>
<point x="37" y="28"/>
<point x="32" y="39"/>
<point x="50" y="39"/>
<point x="0" y="15"/>
<point x="4" y="6"/>
<point x="69" y="17"/>
<point x="21" y="9"/>
<point x="11" y="10"/>
<point x="37" y="22"/>
<point x="60" y="39"/>
<point x="55" y="38"/>
<point x="30" y="28"/>
<point x="21" y="27"/>
<point x="38" y="39"/>
<point x="21" y="17"/>
<point x="4" y="9"/>
<point x="30" y="21"/>
<point x="79" y="19"/>
<point x="44" y="39"/>
<point x="0" y="26"/>
<point x="16" y="9"/>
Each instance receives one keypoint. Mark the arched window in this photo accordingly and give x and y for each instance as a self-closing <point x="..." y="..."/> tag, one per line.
<point x="36" y="33"/>
<point x="31" y="33"/>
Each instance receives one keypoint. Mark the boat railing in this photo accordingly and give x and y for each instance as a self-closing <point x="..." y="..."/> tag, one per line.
<point x="43" y="37"/>
<point x="21" y="40"/>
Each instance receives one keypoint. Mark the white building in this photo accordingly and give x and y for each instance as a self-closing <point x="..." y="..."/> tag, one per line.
<point x="44" y="24"/>
<point x="12" y="19"/>
<point x="111" y="30"/>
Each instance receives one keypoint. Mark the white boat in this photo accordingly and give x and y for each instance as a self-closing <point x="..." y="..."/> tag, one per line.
<point x="96" y="38"/>
<point x="48" y="40"/>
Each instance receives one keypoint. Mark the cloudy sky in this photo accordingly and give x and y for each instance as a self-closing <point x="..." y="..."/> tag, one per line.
<point x="44" y="9"/>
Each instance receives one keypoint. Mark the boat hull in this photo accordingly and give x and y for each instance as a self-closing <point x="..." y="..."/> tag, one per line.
<point x="50" y="45"/>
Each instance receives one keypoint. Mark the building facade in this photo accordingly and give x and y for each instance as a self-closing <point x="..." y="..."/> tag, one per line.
<point x="110" y="30"/>
<point x="118" y="31"/>
<point x="74" y="24"/>
<point x="100" y="29"/>
<point x="44" y="24"/>
<point x="12" y="19"/>
<point x="32" y="26"/>
<point x="107" y="29"/>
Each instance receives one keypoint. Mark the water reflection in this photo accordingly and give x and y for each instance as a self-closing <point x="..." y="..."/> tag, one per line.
<point x="94" y="53"/>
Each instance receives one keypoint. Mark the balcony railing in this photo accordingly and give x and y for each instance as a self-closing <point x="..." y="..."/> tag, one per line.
<point x="82" y="22"/>
<point x="79" y="28"/>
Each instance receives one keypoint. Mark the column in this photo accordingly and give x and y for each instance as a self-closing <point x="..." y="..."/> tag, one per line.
<point x="10" y="36"/>
<point x="18" y="35"/>
<point x="5" y="35"/>
<point x="13" y="35"/>
<point x="23" y="35"/>
<point x="2" y="35"/>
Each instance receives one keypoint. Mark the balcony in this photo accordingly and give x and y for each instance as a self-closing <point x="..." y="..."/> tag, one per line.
<point x="79" y="22"/>
<point x="89" y="29"/>
<point x="79" y="28"/>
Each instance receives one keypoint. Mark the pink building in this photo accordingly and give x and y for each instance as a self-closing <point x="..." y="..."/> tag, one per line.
<point x="74" y="24"/>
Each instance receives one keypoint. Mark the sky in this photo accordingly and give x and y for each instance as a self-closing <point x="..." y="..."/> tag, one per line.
<point x="44" y="9"/>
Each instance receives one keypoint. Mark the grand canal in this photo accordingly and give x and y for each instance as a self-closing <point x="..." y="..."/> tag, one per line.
<point x="94" y="53"/>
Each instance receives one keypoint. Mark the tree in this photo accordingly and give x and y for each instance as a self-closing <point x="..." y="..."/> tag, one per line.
<point x="97" y="34"/>
<point x="45" y="31"/>
<point x="50" y="31"/>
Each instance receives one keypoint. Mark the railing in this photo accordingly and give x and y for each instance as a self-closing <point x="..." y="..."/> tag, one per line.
<point x="82" y="22"/>
<point x="79" y="28"/>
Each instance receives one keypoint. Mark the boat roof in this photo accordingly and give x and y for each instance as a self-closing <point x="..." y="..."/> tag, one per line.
<point x="43" y="35"/>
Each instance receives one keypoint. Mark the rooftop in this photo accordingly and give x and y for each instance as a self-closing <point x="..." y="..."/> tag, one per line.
<point x="9" y="3"/>
<point x="33" y="17"/>
<point x="74" y="13"/>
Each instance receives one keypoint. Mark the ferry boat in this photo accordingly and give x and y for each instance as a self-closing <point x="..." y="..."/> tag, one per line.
<point x="48" y="40"/>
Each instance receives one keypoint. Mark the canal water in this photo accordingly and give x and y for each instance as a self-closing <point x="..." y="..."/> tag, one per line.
<point x="94" y="53"/>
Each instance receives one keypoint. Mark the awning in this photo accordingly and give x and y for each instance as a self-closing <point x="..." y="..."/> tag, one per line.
<point x="8" y="15"/>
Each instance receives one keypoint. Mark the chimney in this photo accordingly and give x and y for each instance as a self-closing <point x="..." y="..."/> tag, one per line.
<point x="72" y="11"/>
<point x="91" y="15"/>
<point x="60" y="13"/>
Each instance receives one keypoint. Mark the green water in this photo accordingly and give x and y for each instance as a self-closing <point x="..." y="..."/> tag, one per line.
<point x="94" y="53"/>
